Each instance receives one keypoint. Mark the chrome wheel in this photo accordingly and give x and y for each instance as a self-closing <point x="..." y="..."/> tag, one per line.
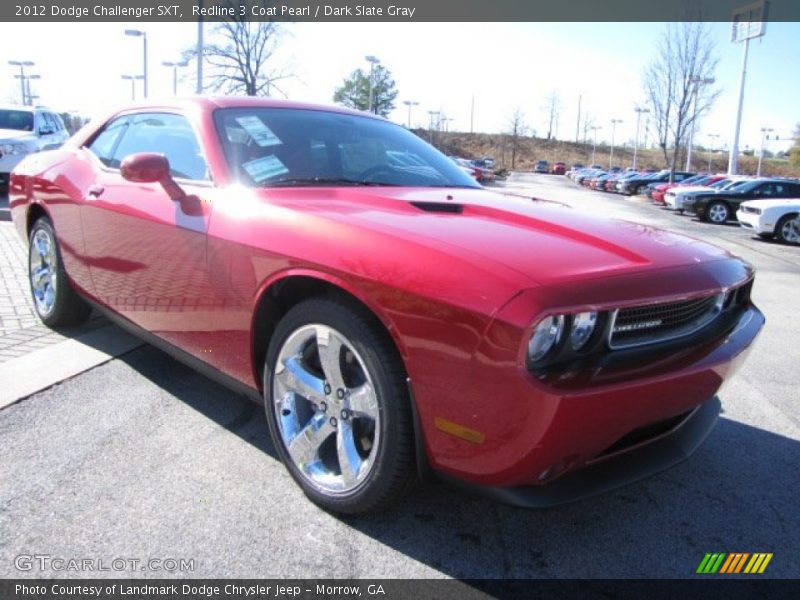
<point x="43" y="271"/>
<point x="790" y="230"/>
<point x="718" y="213"/>
<point x="326" y="409"/>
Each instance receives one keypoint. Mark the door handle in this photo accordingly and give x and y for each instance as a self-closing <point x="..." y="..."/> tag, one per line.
<point x="96" y="190"/>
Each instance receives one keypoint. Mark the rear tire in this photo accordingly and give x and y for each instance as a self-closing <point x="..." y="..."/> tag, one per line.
<point x="54" y="299"/>
<point x="788" y="229"/>
<point x="338" y="408"/>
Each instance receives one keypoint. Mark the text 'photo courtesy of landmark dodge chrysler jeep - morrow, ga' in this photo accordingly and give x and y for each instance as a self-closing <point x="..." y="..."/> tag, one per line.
<point x="393" y="316"/>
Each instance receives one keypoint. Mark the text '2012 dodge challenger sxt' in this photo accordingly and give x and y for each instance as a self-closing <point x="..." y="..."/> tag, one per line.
<point x="393" y="316"/>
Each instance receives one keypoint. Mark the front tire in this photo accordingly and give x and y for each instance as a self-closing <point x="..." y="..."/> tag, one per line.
<point x="718" y="213"/>
<point x="55" y="301"/>
<point x="788" y="229"/>
<point x="338" y="408"/>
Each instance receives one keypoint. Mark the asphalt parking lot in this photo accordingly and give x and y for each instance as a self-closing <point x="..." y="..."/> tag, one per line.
<point x="143" y="458"/>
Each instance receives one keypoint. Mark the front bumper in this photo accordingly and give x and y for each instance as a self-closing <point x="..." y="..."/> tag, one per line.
<point x="754" y="222"/>
<point x="609" y="473"/>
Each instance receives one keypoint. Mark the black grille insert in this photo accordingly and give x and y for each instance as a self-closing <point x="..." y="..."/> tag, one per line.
<point x="653" y="323"/>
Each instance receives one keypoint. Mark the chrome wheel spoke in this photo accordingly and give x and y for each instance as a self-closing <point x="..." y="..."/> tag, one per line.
<point x="349" y="460"/>
<point x="304" y="447"/>
<point x="330" y="357"/>
<point x="363" y="402"/>
<point x="294" y="376"/>
<point x="43" y="273"/>
<point x="312" y="402"/>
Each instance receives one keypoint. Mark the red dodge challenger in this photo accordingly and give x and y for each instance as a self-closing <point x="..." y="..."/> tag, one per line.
<point x="394" y="318"/>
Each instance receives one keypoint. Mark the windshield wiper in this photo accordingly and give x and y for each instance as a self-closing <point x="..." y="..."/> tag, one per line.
<point x="322" y="181"/>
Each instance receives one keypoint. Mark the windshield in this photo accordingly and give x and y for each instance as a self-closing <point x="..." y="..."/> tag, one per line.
<point x="21" y="120"/>
<point x="745" y="185"/>
<point x="281" y="147"/>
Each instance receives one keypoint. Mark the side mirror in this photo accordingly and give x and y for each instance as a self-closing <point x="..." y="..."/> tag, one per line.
<point x="45" y="130"/>
<point x="149" y="167"/>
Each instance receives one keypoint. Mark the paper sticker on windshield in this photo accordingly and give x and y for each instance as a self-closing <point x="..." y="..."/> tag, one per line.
<point x="264" y="168"/>
<point x="262" y="134"/>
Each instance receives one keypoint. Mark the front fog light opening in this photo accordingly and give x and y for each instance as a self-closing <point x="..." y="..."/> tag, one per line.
<point x="545" y="337"/>
<point x="583" y="325"/>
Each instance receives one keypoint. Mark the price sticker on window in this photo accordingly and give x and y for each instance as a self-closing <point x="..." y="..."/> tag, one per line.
<point x="261" y="134"/>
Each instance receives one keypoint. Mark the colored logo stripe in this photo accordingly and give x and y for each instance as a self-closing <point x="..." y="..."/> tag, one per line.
<point x="725" y="563"/>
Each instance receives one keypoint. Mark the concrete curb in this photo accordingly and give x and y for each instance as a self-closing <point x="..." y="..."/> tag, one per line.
<point x="43" y="368"/>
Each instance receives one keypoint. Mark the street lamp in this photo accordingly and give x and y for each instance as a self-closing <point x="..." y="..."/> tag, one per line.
<point x="133" y="79"/>
<point x="764" y="132"/>
<point x="175" y="66"/>
<point x="713" y="137"/>
<point x="697" y="81"/>
<point x="22" y="64"/>
<point x="28" y="84"/>
<point x="432" y="113"/>
<point x="143" y="35"/>
<point x="409" y="104"/>
<point x="613" y="130"/>
<point x="638" y="110"/>
<point x="372" y="60"/>
<point x="594" y="142"/>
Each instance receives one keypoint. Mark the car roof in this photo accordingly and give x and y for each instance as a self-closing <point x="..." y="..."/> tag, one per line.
<point x="213" y="102"/>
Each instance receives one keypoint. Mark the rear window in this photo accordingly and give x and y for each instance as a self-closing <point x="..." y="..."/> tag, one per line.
<point x="21" y="120"/>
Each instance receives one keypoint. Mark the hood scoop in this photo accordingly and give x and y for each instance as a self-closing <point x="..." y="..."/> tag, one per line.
<point x="440" y="207"/>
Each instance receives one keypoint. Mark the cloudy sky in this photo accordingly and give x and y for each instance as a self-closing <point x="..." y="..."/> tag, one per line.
<point x="504" y="66"/>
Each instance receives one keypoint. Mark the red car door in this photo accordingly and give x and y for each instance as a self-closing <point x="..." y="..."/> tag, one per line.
<point x="147" y="252"/>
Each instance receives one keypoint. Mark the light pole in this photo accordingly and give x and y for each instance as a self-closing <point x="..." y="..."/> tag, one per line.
<point x="28" y="84"/>
<point x="613" y="131"/>
<point x="175" y="66"/>
<point x="143" y="35"/>
<point x="409" y="104"/>
<point x="594" y="142"/>
<point x="697" y="81"/>
<point x="22" y="64"/>
<point x="764" y="132"/>
<point x="132" y="79"/>
<point x="713" y="137"/>
<point x="372" y="60"/>
<point x="749" y="22"/>
<point x="638" y="110"/>
<point x="432" y="113"/>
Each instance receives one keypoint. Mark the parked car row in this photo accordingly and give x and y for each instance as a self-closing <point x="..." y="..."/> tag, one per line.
<point x="481" y="170"/>
<point x="767" y="206"/>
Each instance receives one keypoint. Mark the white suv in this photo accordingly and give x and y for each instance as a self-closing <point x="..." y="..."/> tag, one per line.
<point x="24" y="130"/>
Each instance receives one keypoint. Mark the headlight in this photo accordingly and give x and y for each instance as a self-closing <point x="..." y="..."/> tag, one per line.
<point x="14" y="149"/>
<point x="545" y="336"/>
<point x="582" y="328"/>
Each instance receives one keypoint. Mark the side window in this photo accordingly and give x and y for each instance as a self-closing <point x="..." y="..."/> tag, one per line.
<point x="167" y="134"/>
<point x="781" y="190"/>
<point x="768" y="189"/>
<point x="104" y="143"/>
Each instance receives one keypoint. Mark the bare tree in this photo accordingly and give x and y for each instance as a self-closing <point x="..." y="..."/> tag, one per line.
<point x="240" y="60"/>
<point x="552" y="108"/>
<point x="686" y="56"/>
<point x="517" y="129"/>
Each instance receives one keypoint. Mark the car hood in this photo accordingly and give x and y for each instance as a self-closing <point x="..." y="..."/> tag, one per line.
<point x="783" y="203"/>
<point x="8" y="136"/>
<point x="543" y="241"/>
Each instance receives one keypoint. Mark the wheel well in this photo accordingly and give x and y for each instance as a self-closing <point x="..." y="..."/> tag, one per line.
<point x="34" y="213"/>
<point x="281" y="296"/>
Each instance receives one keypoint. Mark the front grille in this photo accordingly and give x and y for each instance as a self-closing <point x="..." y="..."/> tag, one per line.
<point x="654" y="323"/>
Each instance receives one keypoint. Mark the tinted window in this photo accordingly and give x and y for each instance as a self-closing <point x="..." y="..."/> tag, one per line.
<point x="170" y="135"/>
<point x="21" y="120"/>
<point x="283" y="146"/>
<point x="103" y="145"/>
